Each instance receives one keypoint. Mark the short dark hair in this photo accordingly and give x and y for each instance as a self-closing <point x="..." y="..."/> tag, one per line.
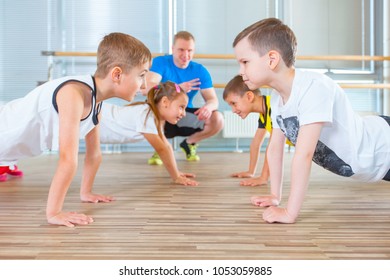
<point x="237" y="86"/>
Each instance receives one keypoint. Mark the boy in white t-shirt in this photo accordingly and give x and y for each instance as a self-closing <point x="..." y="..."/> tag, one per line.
<point x="314" y="113"/>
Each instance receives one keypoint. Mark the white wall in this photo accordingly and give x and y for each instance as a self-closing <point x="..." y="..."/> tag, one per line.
<point x="322" y="27"/>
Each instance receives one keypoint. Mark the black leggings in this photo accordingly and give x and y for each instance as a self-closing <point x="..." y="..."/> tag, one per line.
<point x="387" y="176"/>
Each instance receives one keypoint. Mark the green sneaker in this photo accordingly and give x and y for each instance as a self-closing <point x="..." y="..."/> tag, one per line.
<point x="155" y="160"/>
<point x="190" y="151"/>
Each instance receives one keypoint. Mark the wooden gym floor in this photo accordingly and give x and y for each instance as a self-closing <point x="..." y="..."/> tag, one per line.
<point x="153" y="219"/>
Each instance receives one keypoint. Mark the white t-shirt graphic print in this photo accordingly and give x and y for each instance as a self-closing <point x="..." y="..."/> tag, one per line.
<point x="349" y="145"/>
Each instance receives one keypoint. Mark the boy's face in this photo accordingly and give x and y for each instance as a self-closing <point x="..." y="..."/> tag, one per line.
<point x="134" y="81"/>
<point x="253" y="67"/>
<point x="240" y="105"/>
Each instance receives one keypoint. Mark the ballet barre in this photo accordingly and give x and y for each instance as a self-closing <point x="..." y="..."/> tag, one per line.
<point x="343" y="85"/>
<point x="231" y="56"/>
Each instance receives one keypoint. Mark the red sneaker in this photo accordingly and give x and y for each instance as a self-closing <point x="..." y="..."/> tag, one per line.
<point x="3" y="173"/>
<point x="15" y="171"/>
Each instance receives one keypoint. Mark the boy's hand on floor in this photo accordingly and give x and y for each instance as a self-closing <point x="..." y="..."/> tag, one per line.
<point x="95" y="198"/>
<point x="184" y="180"/>
<point x="252" y="182"/>
<point x="265" y="201"/>
<point x="244" y="174"/>
<point x="70" y="219"/>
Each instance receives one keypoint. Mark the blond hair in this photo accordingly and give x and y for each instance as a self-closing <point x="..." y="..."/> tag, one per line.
<point x="122" y="50"/>
<point x="271" y="34"/>
<point x="185" y="35"/>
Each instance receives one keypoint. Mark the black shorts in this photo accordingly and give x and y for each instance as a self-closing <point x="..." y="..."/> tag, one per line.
<point x="186" y="126"/>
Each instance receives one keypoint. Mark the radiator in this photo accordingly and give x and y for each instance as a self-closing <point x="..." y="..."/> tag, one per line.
<point x="235" y="127"/>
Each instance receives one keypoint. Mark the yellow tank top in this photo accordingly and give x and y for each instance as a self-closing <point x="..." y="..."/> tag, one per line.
<point x="265" y="120"/>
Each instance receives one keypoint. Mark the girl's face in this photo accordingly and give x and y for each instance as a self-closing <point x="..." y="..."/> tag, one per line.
<point x="253" y="67"/>
<point x="241" y="105"/>
<point x="173" y="111"/>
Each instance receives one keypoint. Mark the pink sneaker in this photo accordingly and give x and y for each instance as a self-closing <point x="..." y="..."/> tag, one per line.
<point x="15" y="171"/>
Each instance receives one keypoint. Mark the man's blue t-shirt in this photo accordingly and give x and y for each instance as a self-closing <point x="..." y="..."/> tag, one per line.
<point x="164" y="66"/>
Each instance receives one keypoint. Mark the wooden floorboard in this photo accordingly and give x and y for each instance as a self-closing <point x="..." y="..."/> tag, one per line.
<point x="154" y="219"/>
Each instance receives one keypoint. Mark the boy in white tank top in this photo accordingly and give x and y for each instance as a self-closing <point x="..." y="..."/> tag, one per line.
<point x="60" y="112"/>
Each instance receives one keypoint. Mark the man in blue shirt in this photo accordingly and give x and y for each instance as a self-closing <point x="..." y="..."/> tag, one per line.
<point x="199" y="123"/>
